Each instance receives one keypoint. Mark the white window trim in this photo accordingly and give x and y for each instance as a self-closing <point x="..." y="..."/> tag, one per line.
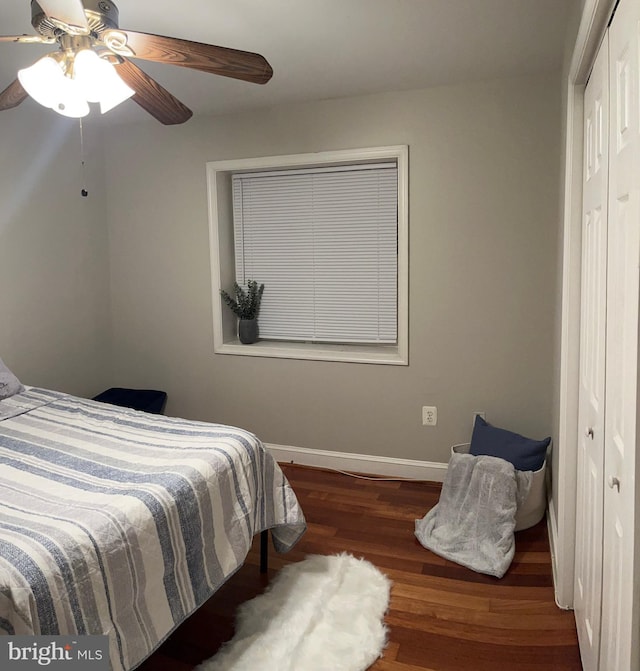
<point x="224" y="338"/>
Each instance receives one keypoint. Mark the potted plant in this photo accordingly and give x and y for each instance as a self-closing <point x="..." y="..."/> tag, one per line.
<point x="245" y="304"/>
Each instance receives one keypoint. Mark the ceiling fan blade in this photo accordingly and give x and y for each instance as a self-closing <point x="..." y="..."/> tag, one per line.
<point x="152" y="97"/>
<point x="27" y="39"/>
<point x="223" y="61"/>
<point x="69" y="13"/>
<point x="12" y="96"/>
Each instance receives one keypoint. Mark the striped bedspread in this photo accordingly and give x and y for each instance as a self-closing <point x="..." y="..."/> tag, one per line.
<point x="117" y="522"/>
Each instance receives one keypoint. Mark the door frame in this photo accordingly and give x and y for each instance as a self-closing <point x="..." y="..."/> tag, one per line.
<point x="562" y="506"/>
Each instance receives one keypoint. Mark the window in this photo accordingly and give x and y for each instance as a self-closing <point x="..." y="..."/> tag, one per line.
<point x="324" y="242"/>
<point x="327" y="234"/>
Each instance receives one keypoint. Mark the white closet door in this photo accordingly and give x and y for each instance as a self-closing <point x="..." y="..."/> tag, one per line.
<point x="588" y="570"/>
<point x="620" y="572"/>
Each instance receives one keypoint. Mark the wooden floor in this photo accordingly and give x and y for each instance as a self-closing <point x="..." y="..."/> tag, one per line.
<point x="442" y="616"/>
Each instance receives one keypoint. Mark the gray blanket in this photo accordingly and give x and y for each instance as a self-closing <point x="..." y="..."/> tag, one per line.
<point x="473" y="522"/>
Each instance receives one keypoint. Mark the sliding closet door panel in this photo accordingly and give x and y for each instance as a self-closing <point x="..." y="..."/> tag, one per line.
<point x="620" y="576"/>
<point x="588" y="573"/>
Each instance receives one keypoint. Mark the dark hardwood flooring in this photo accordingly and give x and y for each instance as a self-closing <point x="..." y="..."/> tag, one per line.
<point x="442" y="617"/>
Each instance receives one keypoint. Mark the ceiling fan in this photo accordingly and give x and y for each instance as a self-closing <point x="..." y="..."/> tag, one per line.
<point x="92" y="62"/>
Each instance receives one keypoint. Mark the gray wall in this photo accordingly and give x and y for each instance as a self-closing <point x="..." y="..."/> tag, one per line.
<point x="54" y="293"/>
<point x="484" y="193"/>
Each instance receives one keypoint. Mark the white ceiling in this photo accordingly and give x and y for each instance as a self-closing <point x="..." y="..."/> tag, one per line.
<point x="323" y="49"/>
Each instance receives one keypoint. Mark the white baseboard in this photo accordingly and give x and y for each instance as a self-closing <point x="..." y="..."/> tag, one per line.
<point x="359" y="463"/>
<point x="552" y="528"/>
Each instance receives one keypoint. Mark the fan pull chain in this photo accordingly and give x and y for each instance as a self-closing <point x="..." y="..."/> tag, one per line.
<point x="84" y="191"/>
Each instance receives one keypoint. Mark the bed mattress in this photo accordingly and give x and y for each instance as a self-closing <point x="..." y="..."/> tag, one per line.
<point x="116" y="522"/>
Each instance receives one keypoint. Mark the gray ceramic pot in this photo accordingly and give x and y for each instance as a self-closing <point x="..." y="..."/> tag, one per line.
<point x="248" y="331"/>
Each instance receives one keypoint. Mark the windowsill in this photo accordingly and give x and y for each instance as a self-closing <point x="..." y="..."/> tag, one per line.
<point x="377" y="354"/>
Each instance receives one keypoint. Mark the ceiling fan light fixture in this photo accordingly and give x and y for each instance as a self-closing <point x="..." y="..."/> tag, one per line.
<point x="70" y="100"/>
<point x="99" y="80"/>
<point x="42" y="80"/>
<point x="45" y="81"/>
<point x="67" y="83"/>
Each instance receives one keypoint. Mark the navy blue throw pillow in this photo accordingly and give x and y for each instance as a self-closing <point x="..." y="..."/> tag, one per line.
<point x="525" y="454"/>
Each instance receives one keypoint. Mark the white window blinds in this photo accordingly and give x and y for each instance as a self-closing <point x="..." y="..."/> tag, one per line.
<point x="324" y="243"/>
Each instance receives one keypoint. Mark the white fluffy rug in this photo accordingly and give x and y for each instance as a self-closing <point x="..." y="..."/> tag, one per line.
<point x="321" y="614"/>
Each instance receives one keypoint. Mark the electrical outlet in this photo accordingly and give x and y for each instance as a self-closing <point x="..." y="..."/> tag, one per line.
<point x="429" y="415"/>
<point x="482" y="414"/>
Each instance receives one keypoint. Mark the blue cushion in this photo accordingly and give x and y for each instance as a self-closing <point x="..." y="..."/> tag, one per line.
<point x="525" y="454"/>
<point x="147" y="400"/>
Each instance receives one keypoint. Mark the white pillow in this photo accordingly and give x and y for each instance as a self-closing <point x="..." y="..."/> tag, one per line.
<point x="9" y="383"/>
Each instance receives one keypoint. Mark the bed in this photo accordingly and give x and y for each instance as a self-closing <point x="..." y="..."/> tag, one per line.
<point x="116" y="522"/>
